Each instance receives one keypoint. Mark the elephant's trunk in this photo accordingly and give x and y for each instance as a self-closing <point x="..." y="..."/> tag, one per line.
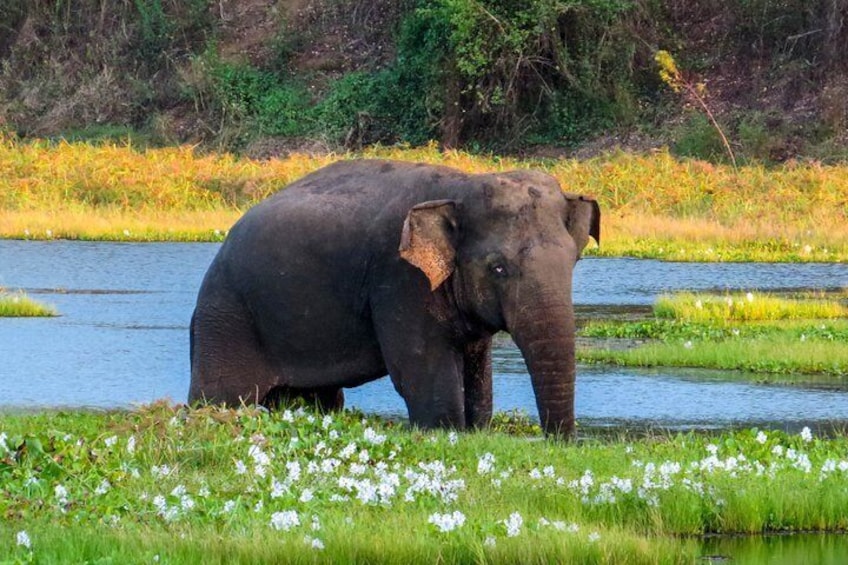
<point x="543" y="329"/>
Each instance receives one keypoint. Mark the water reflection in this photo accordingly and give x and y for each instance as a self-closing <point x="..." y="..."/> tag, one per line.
<point x="795" y="549"/>
<point x="123" y="338"/>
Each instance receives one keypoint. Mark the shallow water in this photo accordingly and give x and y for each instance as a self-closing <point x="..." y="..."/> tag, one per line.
<point x="122" y="338"/>
<point x="794" y="549"/>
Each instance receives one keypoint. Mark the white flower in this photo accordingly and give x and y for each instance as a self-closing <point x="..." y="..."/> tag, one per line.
<point x="688" y="344"/>
<point x="327" y="421"/>
<point x="241" y="468"/>
<point x="294" y="470"/>
<point x="806" y="435"/>
<point x="306" y="495"/>
<point x="453" y="438"/>
<point x="278" y="489"/>
<point x="22" y="539"/>
<point x="749" y="297"/>
<point x="489" y="541"/>
<point x="777" y="450"/>
<point x="229" y="506"/>
<point x="110" y="441"/>
<point x="103" y="487"/>
<point x="372" y="437"/>
<point x="712" y="449"/>
<point x="761" y="437"/>
<point x="186" y="502"/>
<point x="285" y="520"/>
<point x="61" y="494"/>
<point x="513" y="524"/>
<point x="160" y="471"/>
<point x="486" y="464"/>
<point x="594" y="536"/>
<point x="447" y="522"/>
<point x="131" y="445"/>
<point x="316" y="523"/>
<point x="699" y="305"/>
<point x="314" y="543"/>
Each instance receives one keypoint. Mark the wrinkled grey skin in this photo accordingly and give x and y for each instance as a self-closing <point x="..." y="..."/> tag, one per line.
<point x="367" y="268"/>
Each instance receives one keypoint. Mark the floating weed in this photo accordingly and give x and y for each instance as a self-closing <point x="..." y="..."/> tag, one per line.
<point x="131" y="485"/>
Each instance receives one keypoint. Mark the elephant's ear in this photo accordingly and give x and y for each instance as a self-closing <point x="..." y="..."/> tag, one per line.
<point x="428" y="237"/>
<point x="582" y="219"/>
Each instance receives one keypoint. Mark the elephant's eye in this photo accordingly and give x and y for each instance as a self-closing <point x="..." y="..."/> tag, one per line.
<point x="498" y="270"/>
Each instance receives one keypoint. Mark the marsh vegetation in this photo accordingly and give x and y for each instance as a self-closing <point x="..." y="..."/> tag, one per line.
<point x="182" y="485"/>
<point x="654" y="206"/>
<point x="760" y="333"/>
<point x="19" y="305"/>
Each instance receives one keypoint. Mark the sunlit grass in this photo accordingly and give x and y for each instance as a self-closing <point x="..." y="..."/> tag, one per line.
<point x="653" y="205"/>
<point x="744" y="307"/>
<point x="181" y="486"/>
<point x="760" y="355"/>
<point x="19" y="305"/>
<point x="740" y="331"/>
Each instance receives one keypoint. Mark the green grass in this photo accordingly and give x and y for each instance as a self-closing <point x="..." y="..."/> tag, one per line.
<point x="744" y="307"/>
<point x="19" y="305"/>
<point x="747" y="332"/>
<point x="206" y="484"/>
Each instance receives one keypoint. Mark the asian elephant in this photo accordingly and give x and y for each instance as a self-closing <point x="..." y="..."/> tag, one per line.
<point x="366" y="268"/>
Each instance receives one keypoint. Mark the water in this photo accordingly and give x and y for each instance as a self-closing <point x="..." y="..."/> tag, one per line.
<point x="122" y="338"/>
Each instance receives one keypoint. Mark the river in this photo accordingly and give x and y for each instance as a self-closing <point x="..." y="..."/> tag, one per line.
<point x="122" y="338"/>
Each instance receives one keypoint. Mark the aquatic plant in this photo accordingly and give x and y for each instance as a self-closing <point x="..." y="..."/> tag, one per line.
<point x="749" y="331"/>
<point x="746" y="306"/>
<point x="147" y="485"/>
<point x="18" y="304"/>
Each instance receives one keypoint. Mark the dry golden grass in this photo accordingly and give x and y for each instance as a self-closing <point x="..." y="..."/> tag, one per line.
<point x="653" y="205"/>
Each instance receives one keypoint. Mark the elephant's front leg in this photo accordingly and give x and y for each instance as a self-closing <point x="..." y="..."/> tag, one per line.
<point x="477" y="374"/>
<point x="428" y="373"/>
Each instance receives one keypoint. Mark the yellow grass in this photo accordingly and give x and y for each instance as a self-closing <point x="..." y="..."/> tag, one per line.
<point x="653" y="205"/>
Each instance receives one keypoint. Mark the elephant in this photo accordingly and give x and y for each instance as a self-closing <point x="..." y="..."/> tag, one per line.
<point x="367" y="268"/>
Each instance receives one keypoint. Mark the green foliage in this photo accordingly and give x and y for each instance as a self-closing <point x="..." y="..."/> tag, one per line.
<point x="698" y="138"/>
<point x="274" y="106"/>
<point x="541" y="68"/>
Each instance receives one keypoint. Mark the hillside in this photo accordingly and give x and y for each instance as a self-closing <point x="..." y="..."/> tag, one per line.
<point x="540" y="77"/>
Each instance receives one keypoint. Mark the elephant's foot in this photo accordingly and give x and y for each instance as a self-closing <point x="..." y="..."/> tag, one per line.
<point x="328" y="399"/>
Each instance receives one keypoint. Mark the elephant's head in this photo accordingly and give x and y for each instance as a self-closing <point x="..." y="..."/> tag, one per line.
<point x="507" y="250"/>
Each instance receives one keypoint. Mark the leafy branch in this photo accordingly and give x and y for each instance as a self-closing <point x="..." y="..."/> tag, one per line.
<point x="671" y="75"/>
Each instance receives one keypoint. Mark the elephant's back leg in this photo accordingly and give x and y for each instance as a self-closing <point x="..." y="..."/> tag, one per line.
<point x="228" y="362"/>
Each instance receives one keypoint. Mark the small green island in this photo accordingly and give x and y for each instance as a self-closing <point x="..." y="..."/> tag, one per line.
<point x="19" y="305"/>
<point x="793" y="339"/>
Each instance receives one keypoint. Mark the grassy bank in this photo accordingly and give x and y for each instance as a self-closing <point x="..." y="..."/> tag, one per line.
<point x="653" y="206"/>
<point x="19" y="305"/>
<point x="177" y="485"/>
<point x="757" y="333"/>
